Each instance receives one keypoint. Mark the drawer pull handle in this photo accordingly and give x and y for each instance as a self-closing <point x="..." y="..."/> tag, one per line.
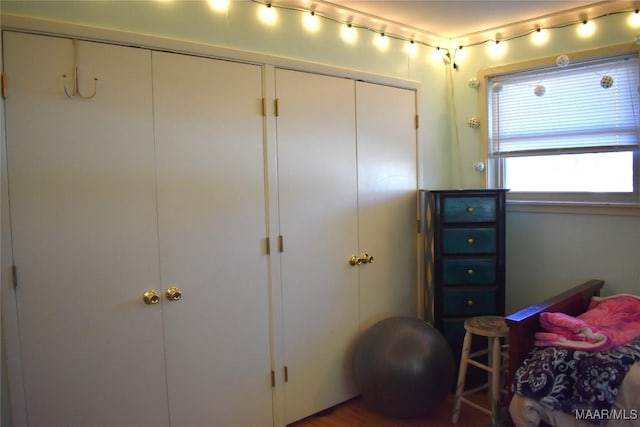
<point x="470" y="209"/>
<point x="469" y="303"/>
<point x="470" y="240"/>
<point x="470" y="272"/>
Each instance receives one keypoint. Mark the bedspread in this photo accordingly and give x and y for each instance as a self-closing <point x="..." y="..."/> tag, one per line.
<point x="573" y="380"/>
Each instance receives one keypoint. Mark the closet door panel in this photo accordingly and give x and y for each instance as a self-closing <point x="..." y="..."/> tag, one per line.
<point x="318" y="219"/>
<point x="387" y="203"/>
<point x="212" y="227"/>
<point x="83" y="211"/>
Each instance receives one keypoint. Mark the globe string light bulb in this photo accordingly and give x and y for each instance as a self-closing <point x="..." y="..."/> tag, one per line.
<point x="411" y="48"/>
<point x="634" y="19"/>
<point x="268" y="14"/>
<point x="496" y="49"/>
<point x="348" y="33"/>
<point x="586" y="29"/>
<point x="219" y="5"/>
<point x="311" y="22"/>
<point x="382" y="41"/>
<point x="539" y="36"/>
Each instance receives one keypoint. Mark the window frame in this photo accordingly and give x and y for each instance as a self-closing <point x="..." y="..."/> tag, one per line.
<point x="615" y="203"/>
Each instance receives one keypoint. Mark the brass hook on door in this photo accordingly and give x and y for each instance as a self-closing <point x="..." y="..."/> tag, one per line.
<point x="76" y="89"/>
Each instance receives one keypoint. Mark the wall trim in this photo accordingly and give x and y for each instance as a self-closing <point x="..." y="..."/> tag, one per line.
<point x="574" y="208"/>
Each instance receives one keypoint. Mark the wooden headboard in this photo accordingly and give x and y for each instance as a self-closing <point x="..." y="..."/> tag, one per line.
<point x="524" y="323"/>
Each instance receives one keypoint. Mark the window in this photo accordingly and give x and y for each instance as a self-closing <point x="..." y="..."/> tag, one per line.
<point x="567" y="133"/>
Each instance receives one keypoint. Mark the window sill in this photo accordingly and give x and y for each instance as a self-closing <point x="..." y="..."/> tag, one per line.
<point x="585" y="208"/>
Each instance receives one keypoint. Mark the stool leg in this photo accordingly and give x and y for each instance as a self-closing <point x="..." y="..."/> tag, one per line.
<point x="490" y="341"/>
<point x="462" y="374"/>
<point x="495" y="379"/>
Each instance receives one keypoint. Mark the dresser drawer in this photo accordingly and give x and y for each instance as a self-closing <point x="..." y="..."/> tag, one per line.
<point x="469" y="209"/>
<point x="468" y="271"/>
<point x="466" y="302"/>
<point x="469" y="240"/>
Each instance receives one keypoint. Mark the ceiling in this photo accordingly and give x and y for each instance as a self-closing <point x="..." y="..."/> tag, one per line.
<point x="461" y="19"/>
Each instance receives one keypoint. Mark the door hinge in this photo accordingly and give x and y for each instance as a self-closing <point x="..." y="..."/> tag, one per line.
<point x="273" y="378"/>
<point x="276" y="106"/>
<point x="264" y="107"/>
<point x="286" y="374"/>
<point x="3" y="82"/>
<point x="280" y="243"/>
<point x="268" y="243"/>
<point x="14" y="276"/>
<point x="417" y="121"/>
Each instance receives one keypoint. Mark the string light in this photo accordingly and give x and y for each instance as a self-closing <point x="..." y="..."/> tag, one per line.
<point x="382" y="41"/>
<point x="496" y="49"/>
<point x="586" y="29"/>
<point x="539" y="36"/>
<point x="349" y="32"/>
<point x="634" y="19"/>
<point x="268" y="14"/>
<point x="219" y="5"/>
<point x="441" y="55"/>
<point x="310" y="21"/>
<point x="459" y="55"/>
<point x="411" y="48"/>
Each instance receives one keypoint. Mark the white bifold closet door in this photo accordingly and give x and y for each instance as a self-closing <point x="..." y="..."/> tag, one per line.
<point x="212" y="228"/>
<point x="318" y="219"/>
<point x="85" y="238"/>
<point x="157" y="181"/>
<point x="387" y="205"/>
<point x="347" y="186"/>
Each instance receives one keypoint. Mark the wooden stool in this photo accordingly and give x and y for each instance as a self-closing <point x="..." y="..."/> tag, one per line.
<point x="494" y="328"/>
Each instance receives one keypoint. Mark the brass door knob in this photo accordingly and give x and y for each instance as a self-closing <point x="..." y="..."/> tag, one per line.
<point x="353" y="260"/>
<point x="150" y="297"/>
<point x="173" y="294"/>
<point x="365" y="259"/>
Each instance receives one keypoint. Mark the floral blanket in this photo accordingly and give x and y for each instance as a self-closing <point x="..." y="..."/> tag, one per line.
<point x="571" y="380"/>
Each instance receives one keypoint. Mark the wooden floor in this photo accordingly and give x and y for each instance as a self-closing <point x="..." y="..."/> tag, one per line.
<point x="355" y="413"/>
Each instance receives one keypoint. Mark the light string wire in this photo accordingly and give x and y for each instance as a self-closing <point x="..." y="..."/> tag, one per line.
<point x="354" y="25"/>
<point x="540" y="28"/>
<point x="438" y="47"/>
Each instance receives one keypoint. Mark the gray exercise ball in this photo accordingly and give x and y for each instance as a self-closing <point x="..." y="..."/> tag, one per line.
<point x="403" y="367"/>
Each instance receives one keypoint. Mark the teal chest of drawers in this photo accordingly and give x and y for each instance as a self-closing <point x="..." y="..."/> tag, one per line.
<point x="464" y="250"/>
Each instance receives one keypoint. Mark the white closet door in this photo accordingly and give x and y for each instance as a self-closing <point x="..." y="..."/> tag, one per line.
<point x="387" y="188"/>
<point x="83" y="211"/>
<point x="212" y="225"/>
<point x="318" y="220"/>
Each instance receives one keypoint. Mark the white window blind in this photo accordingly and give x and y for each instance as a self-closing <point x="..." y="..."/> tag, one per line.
<point x="574" y="115"/>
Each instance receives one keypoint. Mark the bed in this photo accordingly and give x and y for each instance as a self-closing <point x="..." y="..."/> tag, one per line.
<point x="527" y="412"/>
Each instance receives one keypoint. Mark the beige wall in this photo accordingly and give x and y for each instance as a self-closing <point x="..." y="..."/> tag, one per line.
<point x="546" y="252"/>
